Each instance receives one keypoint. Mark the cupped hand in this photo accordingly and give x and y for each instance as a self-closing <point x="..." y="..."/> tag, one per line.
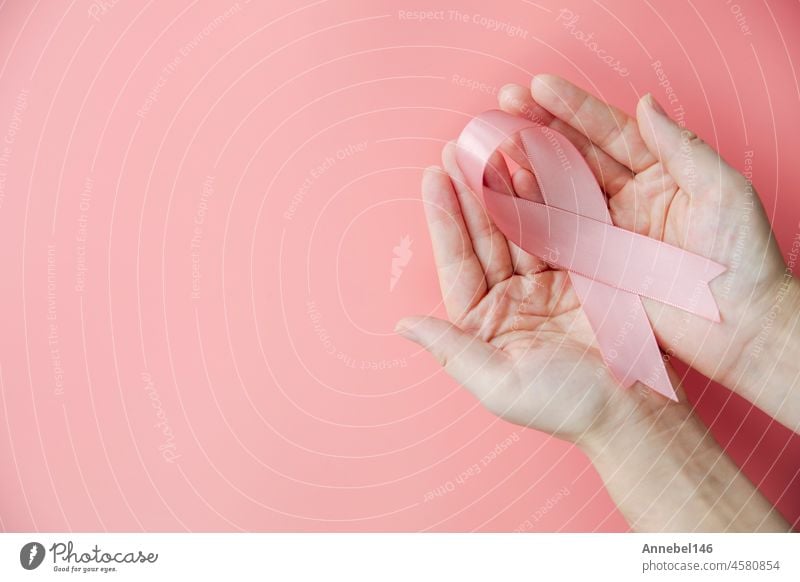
<point x="662" y="181"/>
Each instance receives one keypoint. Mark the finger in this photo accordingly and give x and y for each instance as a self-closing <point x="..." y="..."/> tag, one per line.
<point x="472" y="362"/>
<point x="460" y="272"/>
<point x="525" y="186"/>
<point x="497" y="177"/>
<point x="612" y="130"/>
<point x="488" y="242"/>
<point x="517" y="100"/>
<point x="694" y="165"/>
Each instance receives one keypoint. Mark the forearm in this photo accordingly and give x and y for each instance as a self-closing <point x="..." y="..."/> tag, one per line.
<point x="768" y="372"/>
<point x="666" y="473"/>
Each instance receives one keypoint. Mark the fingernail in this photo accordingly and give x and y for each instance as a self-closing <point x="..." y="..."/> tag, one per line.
<point x="655" y="105"/>
<point x="506" y="89"/>
<point x="404" y="330"/>
<point x="540" y="87"/>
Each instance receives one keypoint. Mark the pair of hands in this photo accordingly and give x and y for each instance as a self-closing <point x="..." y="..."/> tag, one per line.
<point x="518" y="338"/>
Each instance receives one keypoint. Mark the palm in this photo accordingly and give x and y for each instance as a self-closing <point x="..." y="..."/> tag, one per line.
<point x="553" y="363"/>
<point x="707" y="223"/>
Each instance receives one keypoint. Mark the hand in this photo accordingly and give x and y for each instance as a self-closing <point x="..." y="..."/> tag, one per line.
<point x="519" y="340"/>
<point x="664" y="182"/>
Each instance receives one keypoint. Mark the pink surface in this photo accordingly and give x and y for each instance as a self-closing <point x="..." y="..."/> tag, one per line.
<point x="210" y="223"/>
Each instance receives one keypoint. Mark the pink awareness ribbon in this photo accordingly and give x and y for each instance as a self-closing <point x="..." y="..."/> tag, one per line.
<point x="610" y="268"/>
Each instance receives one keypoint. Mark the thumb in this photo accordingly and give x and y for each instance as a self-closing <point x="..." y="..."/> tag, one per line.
<point x="477" y="365"/>
<point x="694" y="165"/>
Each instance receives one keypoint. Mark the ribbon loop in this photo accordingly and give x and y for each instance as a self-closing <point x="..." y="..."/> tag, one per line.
<point x="610" y="268"/>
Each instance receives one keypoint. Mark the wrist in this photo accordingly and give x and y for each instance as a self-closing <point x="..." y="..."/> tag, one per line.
<point x="768" y="370"/>
<point x="666" y="473"/>
<point x="645" y="422"/>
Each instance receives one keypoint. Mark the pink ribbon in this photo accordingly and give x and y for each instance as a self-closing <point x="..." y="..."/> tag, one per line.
<point x="610" y="268"/>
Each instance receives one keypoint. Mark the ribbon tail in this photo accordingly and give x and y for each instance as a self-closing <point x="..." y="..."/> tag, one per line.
<point x="624" y="335"/>
<point x="701" y="301"/>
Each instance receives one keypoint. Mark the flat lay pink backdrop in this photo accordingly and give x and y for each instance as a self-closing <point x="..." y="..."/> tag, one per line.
<point x="210" y="221"/>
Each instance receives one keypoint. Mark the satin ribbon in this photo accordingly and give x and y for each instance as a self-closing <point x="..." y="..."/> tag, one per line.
<point x="610" y="268"/>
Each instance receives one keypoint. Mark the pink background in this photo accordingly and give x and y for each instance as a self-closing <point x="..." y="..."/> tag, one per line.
<point x="196" y="294"/>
